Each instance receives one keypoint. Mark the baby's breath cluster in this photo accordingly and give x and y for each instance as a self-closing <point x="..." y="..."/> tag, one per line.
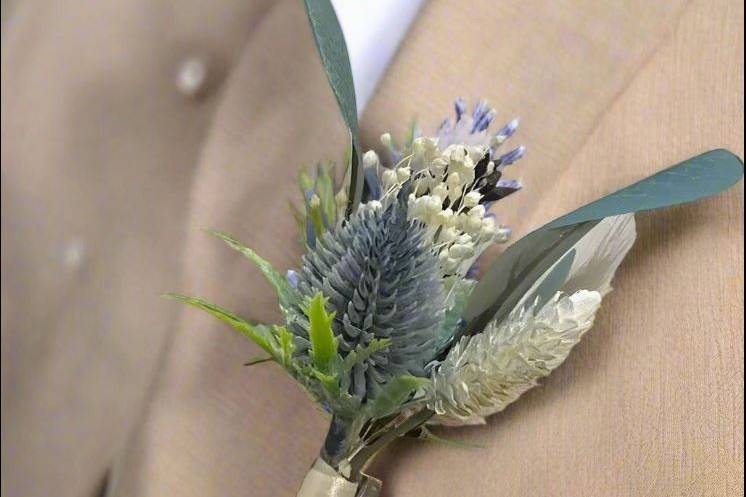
<point x="449" y="185"/>
<point x="444" y="193"/>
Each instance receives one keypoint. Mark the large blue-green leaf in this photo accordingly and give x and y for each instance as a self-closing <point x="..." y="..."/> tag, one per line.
<point x="522" y="264"/>
<point x="696" y="178"/>
<point x="332" y="48"/>
<point x="551" y="284"/>
<point x="515" y="272"/>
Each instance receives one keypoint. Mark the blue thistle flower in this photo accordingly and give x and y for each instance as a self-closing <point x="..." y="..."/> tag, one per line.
<point x="380" y="273"/>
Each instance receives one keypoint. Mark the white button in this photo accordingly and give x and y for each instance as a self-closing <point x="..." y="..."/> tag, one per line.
<point x="73" y="254"/>
<point x="191" y="76"/>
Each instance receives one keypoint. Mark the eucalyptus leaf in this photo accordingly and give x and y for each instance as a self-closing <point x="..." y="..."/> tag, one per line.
<point x="696" y="178"/>
<point x="332" y="48"/>
<point x="515" y="271"/>
<point x="551" y="284"/>
<point x="519" y="267"/>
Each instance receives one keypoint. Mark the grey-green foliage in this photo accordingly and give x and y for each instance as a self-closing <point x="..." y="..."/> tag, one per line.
<point x="319" y="211"/>
<point x="516" y="270"/>
<point x="701" y="176"/>
<point x="332" y="48"/>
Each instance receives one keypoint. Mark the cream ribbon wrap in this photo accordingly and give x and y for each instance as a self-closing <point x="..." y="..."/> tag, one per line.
<point x="323" y="481"/>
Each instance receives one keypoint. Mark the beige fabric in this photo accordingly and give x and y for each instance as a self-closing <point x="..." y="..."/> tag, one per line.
<point x="97" y="159"/>
<point x="99" y="149"/>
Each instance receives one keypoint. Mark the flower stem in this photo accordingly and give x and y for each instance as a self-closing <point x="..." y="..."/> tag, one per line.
<point x="361" y="458"/>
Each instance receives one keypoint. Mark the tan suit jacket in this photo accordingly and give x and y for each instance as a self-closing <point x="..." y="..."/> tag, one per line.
<point x="108" y="171"/>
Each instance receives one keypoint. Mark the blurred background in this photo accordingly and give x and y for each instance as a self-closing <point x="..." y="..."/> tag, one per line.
<point x="128" y="124"/>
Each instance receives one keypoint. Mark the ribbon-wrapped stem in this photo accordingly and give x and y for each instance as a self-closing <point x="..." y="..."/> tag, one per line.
<point x="324" y="481"/>
<point x="339" y="471"/>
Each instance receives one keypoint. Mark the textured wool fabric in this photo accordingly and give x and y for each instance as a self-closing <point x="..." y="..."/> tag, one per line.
<point x="101" y="152"/>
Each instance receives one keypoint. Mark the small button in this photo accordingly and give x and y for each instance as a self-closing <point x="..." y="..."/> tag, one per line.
<point x="73" y="254"/>
<point x="191" y="76"/>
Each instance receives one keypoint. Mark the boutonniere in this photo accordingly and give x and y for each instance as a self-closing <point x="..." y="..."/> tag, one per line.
<point x="386" y="327"/>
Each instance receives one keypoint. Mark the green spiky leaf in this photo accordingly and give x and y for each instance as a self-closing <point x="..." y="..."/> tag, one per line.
<point x="394" y="394"/>
<point x="329" y="381"/>
<point x="285" y="346"/>
<point x="259" y="334"/>
<point x="285" y="293"/>
<point x="363" y="352"/>
<point x="323" y="341"/>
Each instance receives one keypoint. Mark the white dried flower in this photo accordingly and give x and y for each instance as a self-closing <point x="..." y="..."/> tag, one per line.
<point x="472" y="199"/>
<point x="403" y="174"/>
<point x="370" y="159"/>
<point x="388" y="179"/>
<point x="485" y="372"/>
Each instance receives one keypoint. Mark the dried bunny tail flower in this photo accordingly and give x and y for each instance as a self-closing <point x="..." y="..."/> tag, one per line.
<point x="380" y="274"/>
<point x="484" y="373"/>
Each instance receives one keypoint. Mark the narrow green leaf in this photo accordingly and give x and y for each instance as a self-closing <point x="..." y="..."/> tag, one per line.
<point x="394" y="393"/>
<point x="286" y="346"/>
<point x="696" y="178"/>
<point x="325" y="190"/>
<point x="258" y="360"/>
<point x="428" y="436"/>
<point x="315" y="215"/>
<point x="329" y="381"/>
<point x="285" y="293"/>
<point x="323" y="341"/>
<point x="305" y="183"/>
<point x="259" y="334"/>
<point x="332" y="48"/>
<point x="411" y="132"/>
<point x="363" y="352"/>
